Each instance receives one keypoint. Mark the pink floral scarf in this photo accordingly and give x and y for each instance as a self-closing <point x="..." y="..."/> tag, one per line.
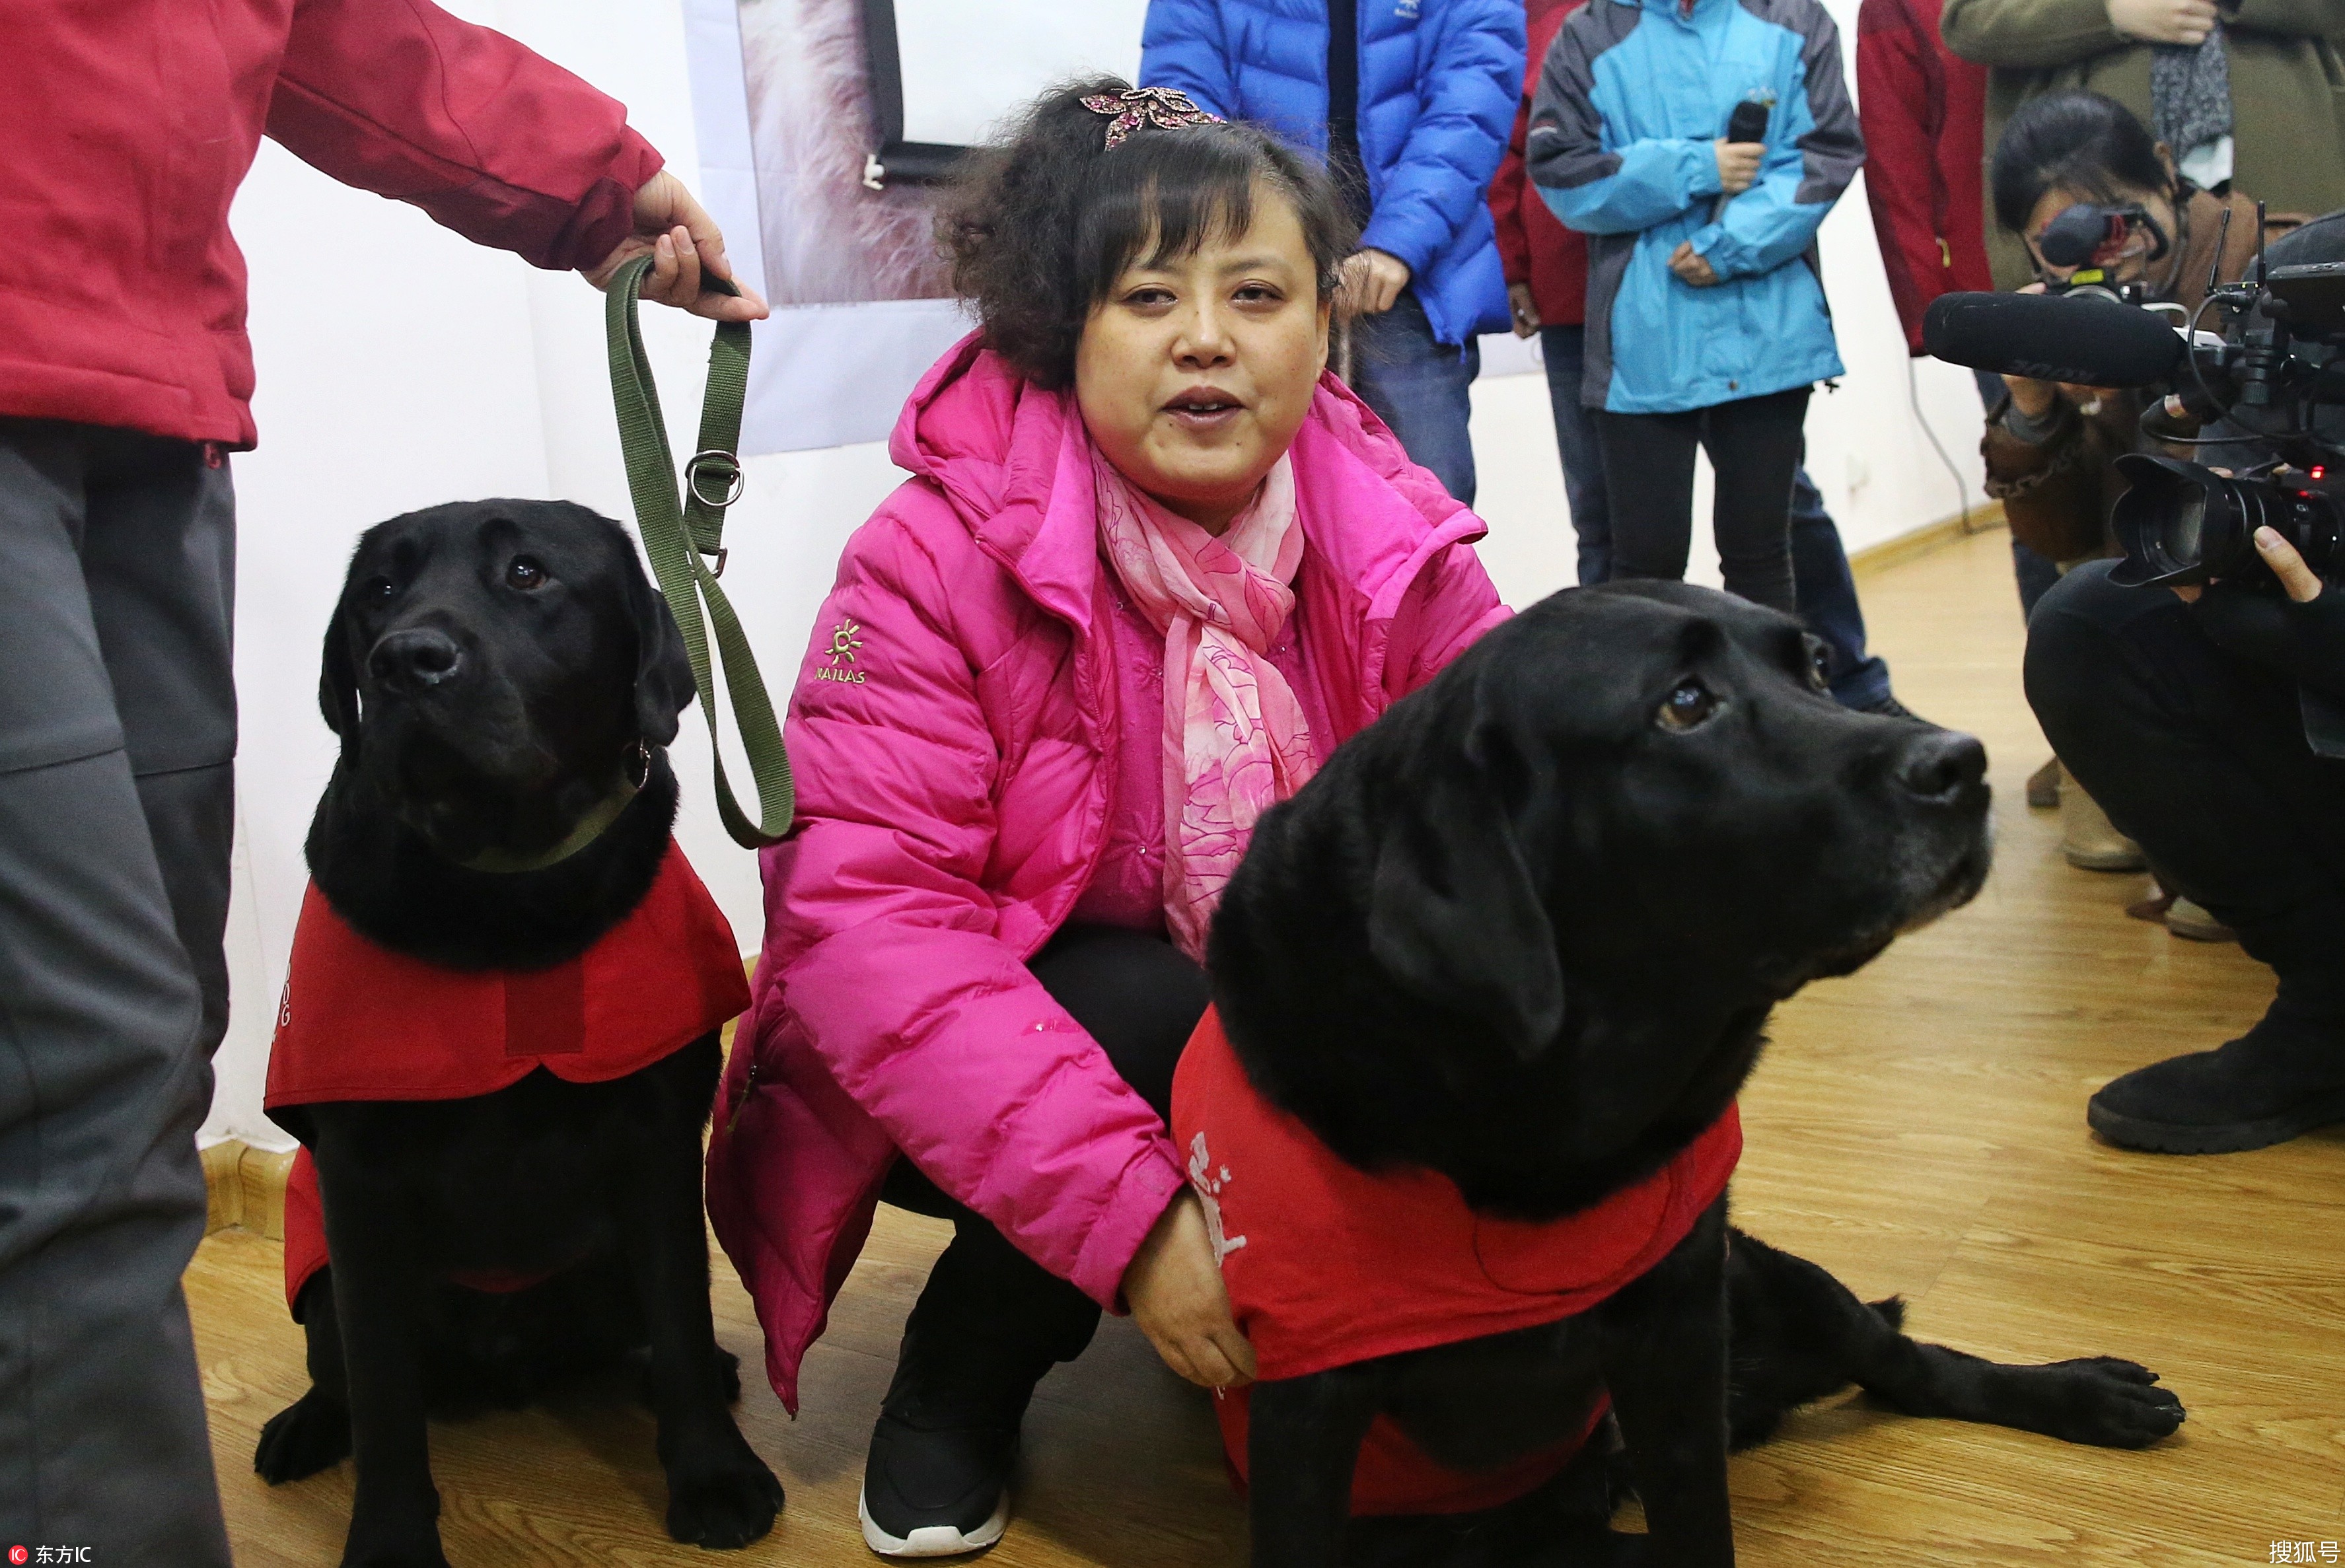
<point x="1236" y="739"/>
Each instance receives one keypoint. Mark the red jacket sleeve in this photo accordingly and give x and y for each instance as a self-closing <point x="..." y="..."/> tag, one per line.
<point x="1896" y="103"/>
<point x="1506" y="192"/>
<point x="398" y="98"/>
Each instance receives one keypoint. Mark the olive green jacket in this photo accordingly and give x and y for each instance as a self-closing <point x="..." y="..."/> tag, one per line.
<point x="2288" y="90"/>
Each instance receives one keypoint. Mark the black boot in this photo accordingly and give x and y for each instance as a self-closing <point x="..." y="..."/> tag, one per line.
<point x="2267" y="1086"/>
<point x="988" y="1324"/>
<point x="2277" y="1081"/>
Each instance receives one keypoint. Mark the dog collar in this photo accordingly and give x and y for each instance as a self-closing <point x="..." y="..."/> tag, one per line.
<point x="591" y="827"/>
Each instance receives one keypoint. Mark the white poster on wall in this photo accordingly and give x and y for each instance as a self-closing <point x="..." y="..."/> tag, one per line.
<point x="967" y="67"/>
<point x="791" y="129"/>
<point x="817" y="119"/>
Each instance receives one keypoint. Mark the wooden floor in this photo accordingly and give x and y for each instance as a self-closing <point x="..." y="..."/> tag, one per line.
<point x="1918" y="1128"/>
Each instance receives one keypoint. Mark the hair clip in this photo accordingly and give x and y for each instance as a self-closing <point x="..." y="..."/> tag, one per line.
<point x="1166" y="108"/>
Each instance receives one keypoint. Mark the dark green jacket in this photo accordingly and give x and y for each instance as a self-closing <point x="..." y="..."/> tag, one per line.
<point x="2288" y="90"/>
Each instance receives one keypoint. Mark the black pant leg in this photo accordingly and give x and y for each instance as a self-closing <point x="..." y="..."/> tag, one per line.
<point x="1649" y="476"/>
<point x="1755" y="445"/>
<point x="1138" y="996"/>
<point x="990" y="1320"/>
<point x="2200" y="757"/>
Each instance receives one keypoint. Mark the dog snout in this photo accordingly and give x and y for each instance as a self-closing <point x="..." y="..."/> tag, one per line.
<point x="1942" y="767"/>
<point x="415" y="660"/>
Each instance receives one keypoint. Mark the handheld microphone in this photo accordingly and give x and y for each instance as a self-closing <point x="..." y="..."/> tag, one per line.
<point x="1748" y="123"/>
<point x="2085" y="342"/>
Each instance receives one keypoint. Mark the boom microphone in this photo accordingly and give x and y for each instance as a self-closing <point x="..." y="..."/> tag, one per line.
<point x="2085" y="342"/>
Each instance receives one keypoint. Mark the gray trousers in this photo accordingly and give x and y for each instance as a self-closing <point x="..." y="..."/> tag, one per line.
<point x="117" y="728"/>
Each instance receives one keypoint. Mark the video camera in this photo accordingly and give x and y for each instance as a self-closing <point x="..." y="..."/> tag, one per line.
<point x="2267" y="380"/>
<point x="2089" y="239"/>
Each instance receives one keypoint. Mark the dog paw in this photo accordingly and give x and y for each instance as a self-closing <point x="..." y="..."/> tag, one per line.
<point x="311" y="1434"/>
<point x="2105" y="1402"/>
<point x="723" y="1502"/>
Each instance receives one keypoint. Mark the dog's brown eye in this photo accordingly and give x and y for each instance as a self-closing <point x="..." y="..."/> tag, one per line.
<point x="1820" y="668"/>
<point x="376" y="590"/>
<point x="1689" y="705"/>
<point x="524" y="573"/>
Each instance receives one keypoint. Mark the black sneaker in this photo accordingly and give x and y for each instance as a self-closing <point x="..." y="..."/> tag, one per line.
<point x="934" y="1486"/>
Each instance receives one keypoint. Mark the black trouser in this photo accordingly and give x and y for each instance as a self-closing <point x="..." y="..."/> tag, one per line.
<point x="991" y="1321"/>
<point x="2199" y="756"/>
<point x="118" y="724"/>
<point x="1754" y="444"/>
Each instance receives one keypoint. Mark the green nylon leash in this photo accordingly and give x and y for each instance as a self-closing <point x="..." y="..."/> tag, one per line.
<point x="680" y="532"/>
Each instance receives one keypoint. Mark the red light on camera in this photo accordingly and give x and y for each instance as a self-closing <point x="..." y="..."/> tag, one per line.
<point x="2318" y="471"/>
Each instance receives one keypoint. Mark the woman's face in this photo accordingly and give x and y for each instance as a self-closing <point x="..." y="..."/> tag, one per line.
<point x="1196" y="372"/>
<point x="2134" y="264"/>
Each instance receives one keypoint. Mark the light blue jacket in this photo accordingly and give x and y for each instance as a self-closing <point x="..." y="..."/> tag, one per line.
<point x="1633" y="97"/>
<point x="1439" y="83"/>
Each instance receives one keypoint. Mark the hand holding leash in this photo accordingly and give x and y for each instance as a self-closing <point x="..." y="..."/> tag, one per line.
<point x="680" y="533"/>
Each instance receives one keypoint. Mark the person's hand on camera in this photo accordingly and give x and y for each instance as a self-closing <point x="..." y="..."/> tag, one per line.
<point x="1174" y="1289"/>
<point x="1520" y="308"/>
<point x="2032" y="398"/>
<point x="2303" y="583"/>
<point x="2035" y="398"/>
<point x="2163" y="21"/>
<point x="1694" y="269"/>
<point x="1738" y="163"/>
<point x="1372" y="282"/>
<point x="676" y="231"/>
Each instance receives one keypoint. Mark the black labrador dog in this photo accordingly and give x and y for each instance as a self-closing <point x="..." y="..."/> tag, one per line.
<point x="1526" y="931"/>
<point x="502" y="677"/>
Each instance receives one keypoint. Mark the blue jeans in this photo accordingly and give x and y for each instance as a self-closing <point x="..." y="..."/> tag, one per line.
<point x="1827" y="598"/>
<point x="1564" y="349"/>
<point x="1418" y="387"/>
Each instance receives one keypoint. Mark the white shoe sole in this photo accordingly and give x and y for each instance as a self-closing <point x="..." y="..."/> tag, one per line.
<point x="934" y="1540"/>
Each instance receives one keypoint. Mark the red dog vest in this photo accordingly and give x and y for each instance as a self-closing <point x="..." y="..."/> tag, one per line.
<point x="359" y="1022"/>
<point x="1327" y="1264"/>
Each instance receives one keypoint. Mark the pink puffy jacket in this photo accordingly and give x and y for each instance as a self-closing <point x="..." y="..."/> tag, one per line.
<point x="951" y="731"/>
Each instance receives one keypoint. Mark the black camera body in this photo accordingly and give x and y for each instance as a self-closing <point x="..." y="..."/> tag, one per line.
<point x="2092" y="283"/>
<point x="2277" y="380"/>
<point x="2182" y="524"/>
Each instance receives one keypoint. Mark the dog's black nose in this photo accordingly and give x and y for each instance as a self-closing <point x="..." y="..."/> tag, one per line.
<point x="1940" y="767"/>
<point x="410" y="660"/>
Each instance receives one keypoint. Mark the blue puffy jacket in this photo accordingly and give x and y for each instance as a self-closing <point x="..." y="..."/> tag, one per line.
<point x="1633" y="95"/>
<point x="1439" y="81"/>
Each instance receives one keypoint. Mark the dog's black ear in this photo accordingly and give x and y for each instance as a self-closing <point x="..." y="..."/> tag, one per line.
<point x="338" y="675"/>
<point x="1454" y="918"/>
<point x="664" y="684"/>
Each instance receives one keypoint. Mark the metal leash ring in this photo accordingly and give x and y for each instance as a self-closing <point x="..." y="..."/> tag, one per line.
<point x="736" y="482"/>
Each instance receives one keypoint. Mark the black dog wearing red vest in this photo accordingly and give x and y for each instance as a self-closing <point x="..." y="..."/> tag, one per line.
<point x="499" y="1042"/>
<point x="1463" y="1116"/>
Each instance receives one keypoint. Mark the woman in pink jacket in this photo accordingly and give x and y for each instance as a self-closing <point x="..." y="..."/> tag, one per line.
<point x="1151" y="566"/>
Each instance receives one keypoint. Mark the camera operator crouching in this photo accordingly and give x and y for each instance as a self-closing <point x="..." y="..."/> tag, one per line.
<point x="2204" y="706"/>
<point x="2098" y="203"/>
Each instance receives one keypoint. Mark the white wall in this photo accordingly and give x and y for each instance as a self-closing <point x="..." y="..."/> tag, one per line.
<point x="400" y="367"/>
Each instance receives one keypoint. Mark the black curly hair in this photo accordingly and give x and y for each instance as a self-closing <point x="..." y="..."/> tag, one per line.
<point x="1039" y="224"/>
